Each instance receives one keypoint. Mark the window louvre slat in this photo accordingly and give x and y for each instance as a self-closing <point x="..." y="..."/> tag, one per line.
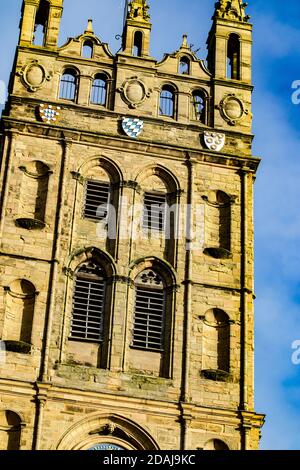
<point x="88" y="305"/>
<point x="149" y="318"/>
<point x="97" y="196"/>
<point x="154" y="215"/>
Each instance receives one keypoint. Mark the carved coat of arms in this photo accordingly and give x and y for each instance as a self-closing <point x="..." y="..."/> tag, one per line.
<point x="132" y="126"/>
<point x="48" y="113"/>
<point x="214" y="141"/>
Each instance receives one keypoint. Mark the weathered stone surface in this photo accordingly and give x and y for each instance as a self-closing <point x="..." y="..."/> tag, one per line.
<point x="81" y="393"/>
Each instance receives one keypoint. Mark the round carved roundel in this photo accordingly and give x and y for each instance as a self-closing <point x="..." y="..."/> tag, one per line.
<point x="34" y="75"/>
<point x="134" y="92"/>
<point x="232" y="109"/>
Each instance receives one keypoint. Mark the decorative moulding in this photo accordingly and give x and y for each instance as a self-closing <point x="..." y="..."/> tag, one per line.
<point x="216" y="375"/>
<point x="34" y="75"/>
<point x="134" y="92"/>
<point x="232" y="109"/>
<point x="30" y="224"/>
<point x="217" y="252"/>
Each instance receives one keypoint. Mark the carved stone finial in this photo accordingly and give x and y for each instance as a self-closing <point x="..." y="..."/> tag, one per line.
<point x="184" y="42"/>
<point x="231" y="10"/>
<point x="138" y="10"/>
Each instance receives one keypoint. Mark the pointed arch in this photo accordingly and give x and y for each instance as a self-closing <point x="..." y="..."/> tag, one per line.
<point x="113" y="170"/>
<point x="87" y="253"/>
<point x="162" y="172"/>
<point x="153" y="262"/>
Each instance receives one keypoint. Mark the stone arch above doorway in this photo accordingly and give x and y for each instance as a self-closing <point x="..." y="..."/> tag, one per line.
<point x="97" y="431"/>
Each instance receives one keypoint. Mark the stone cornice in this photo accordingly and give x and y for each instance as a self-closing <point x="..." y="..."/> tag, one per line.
<point x="156" y="148"/>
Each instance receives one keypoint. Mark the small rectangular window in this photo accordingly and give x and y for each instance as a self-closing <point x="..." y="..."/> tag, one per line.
<point x="149" y="318"/>
<point x="97" y="196"/>
<point x="154" y="214"/>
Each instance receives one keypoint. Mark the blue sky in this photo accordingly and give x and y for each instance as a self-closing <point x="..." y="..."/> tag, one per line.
<point x="277" y="213"/>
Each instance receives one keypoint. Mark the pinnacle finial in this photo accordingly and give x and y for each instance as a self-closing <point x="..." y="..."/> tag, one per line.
<point x="231" y="10"/>
<point x="89" y="29"/>
<point x="184" y="42"/>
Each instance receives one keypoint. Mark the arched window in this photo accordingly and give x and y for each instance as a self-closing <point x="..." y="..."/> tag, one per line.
<point x="34" y="195"/>
<point x="198" y="106"/>
<point x="218" y="232"/>
<point x="216" y="341"/>
<point x="87" y="50"/>
<point x="88" y="303"/>
<point x="149" y="314"/>
<point x="10" y="430"/>
<point x="41" y="21"/>
<point x="19" y="312"/>
<point x="233" y="57"/>
<point x="137" y="44"/>
<point x="184" y="66"/>
<point x="99" y="90"/>
<point x="167" y="101"/>
<point x="68" y="85"/>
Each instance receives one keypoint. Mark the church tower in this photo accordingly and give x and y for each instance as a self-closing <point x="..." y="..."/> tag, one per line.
<point x="126" y="272"/>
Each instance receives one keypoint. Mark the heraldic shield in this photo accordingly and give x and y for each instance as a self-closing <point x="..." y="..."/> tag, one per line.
<point x="214" y="140"/>
<point x="132" y="126"/>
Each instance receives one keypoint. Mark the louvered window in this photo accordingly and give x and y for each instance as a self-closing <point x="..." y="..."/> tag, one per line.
<point x="88" y="303"/>
<point x="97" y="195"/>
<point x="154" y="214"/>
<point x="149" y="312"/>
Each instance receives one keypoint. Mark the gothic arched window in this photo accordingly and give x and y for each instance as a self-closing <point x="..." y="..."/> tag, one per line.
<point x="233" y="57"/>
<point x="167" y="101"/>
<point x="198" y="106"/>
<point x="88" y="303"/>
<point x="150" y="309"/>
<point x="68" y="85"/>
<point x="99" y="90"/>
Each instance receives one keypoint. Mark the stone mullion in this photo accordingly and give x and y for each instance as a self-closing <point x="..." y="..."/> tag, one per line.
<point x="119" y="344"/>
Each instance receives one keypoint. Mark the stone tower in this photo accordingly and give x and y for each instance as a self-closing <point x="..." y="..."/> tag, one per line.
<point x="126" y="275"/>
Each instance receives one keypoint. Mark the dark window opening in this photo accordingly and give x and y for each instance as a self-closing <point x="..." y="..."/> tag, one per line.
<point x="198" y="106"/>
<point x="88" y="303"/>
<point x="68" y="85"/>
<point x="87" y="50"/>
<point x="149" y="314"/>
<point x="41" y="22"/>
<point x="99" y="90"/>
<point x="233" y="57"/>
<point x="154" y="214"/>
<point x="137" y="44"/>
<point x="97" y="195"/>
<point x="184" y="66"/>
<point x="167" y="102"/>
